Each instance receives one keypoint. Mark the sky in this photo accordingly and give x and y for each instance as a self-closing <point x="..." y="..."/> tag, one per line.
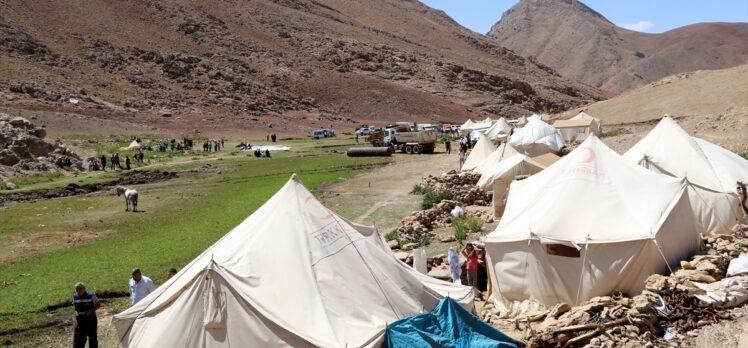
<point x="650" y="16"/>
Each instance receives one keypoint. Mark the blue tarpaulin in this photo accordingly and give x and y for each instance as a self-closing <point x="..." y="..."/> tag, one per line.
<point x="449" y="325"/>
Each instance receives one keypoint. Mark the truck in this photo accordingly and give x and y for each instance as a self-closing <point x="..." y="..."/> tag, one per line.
<point x="404" y="139"/>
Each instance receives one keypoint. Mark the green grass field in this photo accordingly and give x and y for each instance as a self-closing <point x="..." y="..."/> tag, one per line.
<point x="49" y="245"/>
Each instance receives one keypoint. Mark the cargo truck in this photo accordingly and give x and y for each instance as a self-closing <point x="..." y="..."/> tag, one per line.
<point x="405" y="140"/>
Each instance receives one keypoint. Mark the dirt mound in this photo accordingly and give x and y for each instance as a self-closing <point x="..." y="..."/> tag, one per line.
<point x="286" y="65"/>
<point x="130" y="178"/>
<point x="23" y="149"/>
<point x="580" y="43"/>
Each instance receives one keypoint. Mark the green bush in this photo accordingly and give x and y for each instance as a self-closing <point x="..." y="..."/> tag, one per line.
<point x="744" y="154"/>
<point x="432" y="197"/>
<point x="423" y="240"/>
<point x="393" y="235"/>
<point x="466" y="225"/>
<point x="418" y="189"/>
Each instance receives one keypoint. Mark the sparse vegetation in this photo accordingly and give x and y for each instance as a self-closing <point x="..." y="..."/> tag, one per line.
<point x="466" y="225"/>
<point x="422" y="240"/>
<point x="393" y="235"/>
<point x="744" y="154"/>
<point x="418" y="189"/>
<point x="431" y="197"/>
<point x="613" y="133"/>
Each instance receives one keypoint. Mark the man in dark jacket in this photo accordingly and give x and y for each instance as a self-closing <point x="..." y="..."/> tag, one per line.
<point x="86" y="303"/>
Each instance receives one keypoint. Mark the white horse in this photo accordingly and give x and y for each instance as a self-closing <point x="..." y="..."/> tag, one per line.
<point x="131" y="197"/>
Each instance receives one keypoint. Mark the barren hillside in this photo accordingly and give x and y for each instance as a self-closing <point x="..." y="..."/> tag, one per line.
<point x="246" y="66"/>
<point x="580" y="43"/>
<point x="711" y="104"/>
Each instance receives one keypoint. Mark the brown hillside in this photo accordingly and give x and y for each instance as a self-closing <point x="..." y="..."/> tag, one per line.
<point x="711" y="104"/>
<point x="246" y="65"/>
<point x="582" y="44"/>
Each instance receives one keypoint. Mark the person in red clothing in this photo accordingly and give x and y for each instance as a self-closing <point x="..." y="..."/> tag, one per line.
<point x="472" y="264"/>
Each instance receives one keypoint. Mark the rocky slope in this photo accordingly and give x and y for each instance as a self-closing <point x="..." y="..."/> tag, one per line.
<point x="225" y="65"/>
<point x="582" y="44"/>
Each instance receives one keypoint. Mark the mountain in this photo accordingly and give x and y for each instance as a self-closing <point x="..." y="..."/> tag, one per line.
<point x="710" y="104"/>
<point x="580" y="43"/>
<point x="246" y="66"/>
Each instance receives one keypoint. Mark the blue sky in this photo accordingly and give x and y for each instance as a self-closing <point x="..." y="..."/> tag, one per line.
<point x="652" y="16"/>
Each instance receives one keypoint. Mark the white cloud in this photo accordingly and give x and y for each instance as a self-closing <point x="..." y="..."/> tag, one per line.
<point x="642" y="26"/>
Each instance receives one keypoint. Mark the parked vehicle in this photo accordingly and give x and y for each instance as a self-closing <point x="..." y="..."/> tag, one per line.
<point x="403" y="139"/>
<point x="366" y="130"/>
<point x="323" y="133"/>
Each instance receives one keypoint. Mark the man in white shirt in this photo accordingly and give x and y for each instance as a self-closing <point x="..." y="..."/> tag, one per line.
<point x="140" y="286"/>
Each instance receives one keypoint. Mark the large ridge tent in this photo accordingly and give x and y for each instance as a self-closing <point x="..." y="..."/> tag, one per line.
<point x="712" y="172"/>
<point x="500" y="130"/>
<point x="292" y="274"/>
<point x="500" y="176"/>
<point x="536" y="138"/>
<point x="589" y="225"/>
<point x="466" y="127"/>
<point x="578" y="128"/>
<point x="501" y="153"/>
<point x="597" y="125"/>
<point x="448" y="325"/>
<point x="482" y="149"/>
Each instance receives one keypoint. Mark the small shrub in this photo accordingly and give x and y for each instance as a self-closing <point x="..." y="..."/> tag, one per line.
<point x="613" y="133"/>
<point x="423" y="240"/>
<point x="393" y="235"/>
<point x="744" y="154"/>
<point x="466" y="225"/>
<point x="418" y="189"/>
<point x="432" y="197"/>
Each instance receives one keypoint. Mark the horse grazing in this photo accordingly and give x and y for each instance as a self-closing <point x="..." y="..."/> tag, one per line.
<point x="131" y="197"/>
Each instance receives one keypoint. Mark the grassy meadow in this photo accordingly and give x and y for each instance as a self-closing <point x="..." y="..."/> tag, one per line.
<point x="48" y="245"/>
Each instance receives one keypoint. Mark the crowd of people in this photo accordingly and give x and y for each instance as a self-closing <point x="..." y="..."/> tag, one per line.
<point x="213" y="145"/>
<point x="465" y="144"/>
<point x="86" y="304"/>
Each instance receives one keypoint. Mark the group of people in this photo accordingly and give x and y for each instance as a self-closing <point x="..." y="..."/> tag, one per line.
<point x="213" y="145"/>
<point x="465" y="145"/>
<point x="86" y="304"/>
<point x="271" y="137"/>
<point x="262" y="154"/>
<point x="173" y="145"/>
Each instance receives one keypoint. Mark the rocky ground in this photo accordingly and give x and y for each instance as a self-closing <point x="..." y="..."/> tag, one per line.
<point x="24" y="151"/>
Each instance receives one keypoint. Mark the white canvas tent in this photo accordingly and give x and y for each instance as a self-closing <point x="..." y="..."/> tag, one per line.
<point x="500" y="176"/>
<point x="712" y="172"/>
<point x="292" y="274"/>
<point x="482" y="149"/>
<point x="589" y="225"/>
<point x="578" y="128"/>
<point x="500" y="130"/>
<point x="466" y="127"/>
<point x="504" y="151"/>
<point x="536" y="138"/>
<point x="597" y="124"/>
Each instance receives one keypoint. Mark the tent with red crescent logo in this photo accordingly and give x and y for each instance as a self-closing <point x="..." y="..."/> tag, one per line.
<point x="293" y="274"/>
<point x="712" y="173"/>
<point x="589" y="225"/>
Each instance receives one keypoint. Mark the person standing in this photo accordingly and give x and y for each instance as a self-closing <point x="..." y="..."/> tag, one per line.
<point x="471" y="265"/>
<point x="448" y="146"/>
<point x="86" y="303"/>
<point x="170" y="273"/>
<point x="127" y="162"/>
<point x="140" y="286"/>
<point x="103" y="162"/>
<point x="462" y="158"/>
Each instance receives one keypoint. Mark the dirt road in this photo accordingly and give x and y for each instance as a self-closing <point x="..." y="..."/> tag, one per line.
<point x="382" y="196"/>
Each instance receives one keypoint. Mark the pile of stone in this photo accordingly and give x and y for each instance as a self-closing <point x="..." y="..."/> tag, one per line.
<point x="23" y="149"/>
<point x="420" y="222"/>
<point x="460" y="187"/>
<point x="669" y="309"/>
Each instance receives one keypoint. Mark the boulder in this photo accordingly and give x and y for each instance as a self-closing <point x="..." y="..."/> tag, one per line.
<point x="440" y="273"/>
<point x="401" y="255"/>
<point x="408" y="246"/>
<point x="394" y="244"/>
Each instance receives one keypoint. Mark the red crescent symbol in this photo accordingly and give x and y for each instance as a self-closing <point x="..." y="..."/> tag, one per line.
<point x="590" y="156"/>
